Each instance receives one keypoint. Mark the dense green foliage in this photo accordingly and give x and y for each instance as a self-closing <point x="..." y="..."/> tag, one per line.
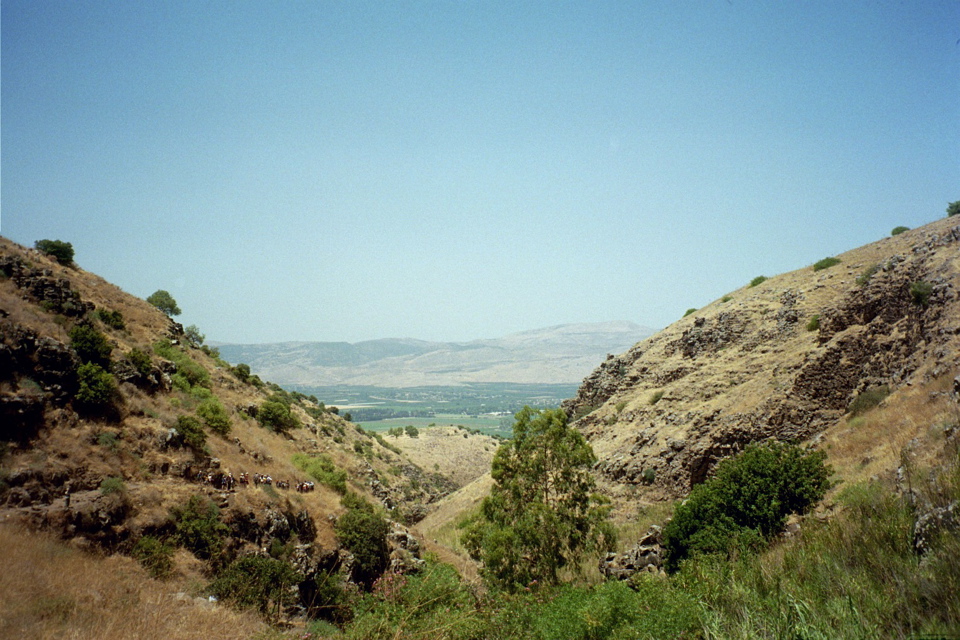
<point x="60" y="251"/>
<point x="191" y="431"/>
<point x="97" y="389"/>
<point x="214" y="416"/>
<point x="189" y="373"/>
<point x="814" y="322"/>
<point x="113" y="319"/>
<point x="920" y="292"/>
<point x="826" y="263"/>
<point x="193" y="335"/>
<point x="111" y="485"/>
<point x="162" y="300"/>
<point x="155" y="555"/>
<point x="898" y="230"/>
<point x="198" y="527"/>
<point x="953" y="208"/>
<point x="276" y="416"/>
<point x="758" y="280"/>
<point x="542" y="516"/>
<point x="362" y="530"/>
<point x="140" y="360"/>
<point x="322" y="469"/>
<point x="257" y="582"/>
<point x="90" y="345"/>
<point x="690" y="311"/>
<point x="746" y="502"/>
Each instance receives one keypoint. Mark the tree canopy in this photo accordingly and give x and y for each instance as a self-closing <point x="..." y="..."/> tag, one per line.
<point x="60" y="251"/>
<point x="164" y="301"/>
<point x="542" y="515"/>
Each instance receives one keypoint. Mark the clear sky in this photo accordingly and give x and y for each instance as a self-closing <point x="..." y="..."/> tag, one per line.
<point x="459" y="170"/>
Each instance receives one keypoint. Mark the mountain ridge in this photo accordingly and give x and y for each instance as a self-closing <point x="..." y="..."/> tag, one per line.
<point x="562" y="353"/>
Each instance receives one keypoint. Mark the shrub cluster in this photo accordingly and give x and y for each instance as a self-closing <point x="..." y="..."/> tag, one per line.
<point x="90" y="345"/>
<point x="362" y="530"/>
<point x="214" y="416"/>
<point x="97" y="390"/>
<point x="113" y="319"/>
<point x="277" y="416"/>
<point x="155" y="555"/>
<point x="920" y="292"/>
<point x="257" y="582"/>
<point x="198" y="527"/>
<point x="60" y="251"/>
<point x="826" y="263"/>
<point x="758" y="280"/>
<point x="192" y="433"/>
<point x="322" y="469"/>
<point x="747" y="501"/>
<point x="868" y="399"/>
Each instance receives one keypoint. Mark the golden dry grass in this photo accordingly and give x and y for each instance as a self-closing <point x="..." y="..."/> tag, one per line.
<point x="50" y="591"/>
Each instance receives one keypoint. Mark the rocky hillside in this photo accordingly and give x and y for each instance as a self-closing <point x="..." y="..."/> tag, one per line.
<point x="789" y="358"/>
<point x="555" y="355"/>
<point x="111" y="421"/>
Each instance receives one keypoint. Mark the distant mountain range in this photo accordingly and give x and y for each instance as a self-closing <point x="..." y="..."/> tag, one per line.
<point x="555" y="355"/>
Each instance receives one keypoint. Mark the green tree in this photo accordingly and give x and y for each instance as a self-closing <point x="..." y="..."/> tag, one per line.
<point x="164" y="301"/>
<point x="191" y="431"/>
<point x="198" y="527"/>
<point x="542" y="514"/>
<point x="747" y="501"/>
<point x="60" y="251"/>
<point x="363" y="532"/>
<point x="276" y="416"/>
<point x="193" y="335"/>
<point x="96" y="389"/>
<point x="953" y="208"/>
<point x="257" y="582"/>
<point x="91" y="345"/>
<point x="215" y="416"/>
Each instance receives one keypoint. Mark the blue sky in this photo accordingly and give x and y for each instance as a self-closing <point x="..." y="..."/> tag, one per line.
<point x="462" y="170"/>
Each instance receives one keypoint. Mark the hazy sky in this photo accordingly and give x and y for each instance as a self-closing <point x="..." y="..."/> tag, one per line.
<point x="461" y="170"/>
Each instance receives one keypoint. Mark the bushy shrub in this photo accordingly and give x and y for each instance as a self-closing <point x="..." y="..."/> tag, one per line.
<point x="154" y="555"/>
<point x="814" y="323"/>
<point x="277" y="417"/>
<point x="412" y="431"/>
<point x="920" y="292"/>
<point x="214" y="416"/>
<point x="953" y="208"/>
<point x="257" y="582"/>
<point x="241" y="371"/>
<point x="198" y="527"/>
<point x="868" y="399"/>
<point x="140" y="361"/>
<point x="191" y="431"/>
<point x="826" y="263"/>
<point x="60" y="251"/>
<point x="162" y="300"/>
<point x="191" y="373"/>
<point x="113" y="319"/>
<point x="322" y="469"/>
<point x="90" y="345"/>
<point x="363" y="532"/>
<point x="193" y="335"/>
<point x="689" y="311"/>
<point x="112" y="484"/>
<point x="746" y="502"/>
<point x="758" y="280"/>
<point x="898" y="230"/>
<point x="97" y="389"/>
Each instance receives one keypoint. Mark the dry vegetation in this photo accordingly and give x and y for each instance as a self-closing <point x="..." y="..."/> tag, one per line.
<point x="50" y="591"/>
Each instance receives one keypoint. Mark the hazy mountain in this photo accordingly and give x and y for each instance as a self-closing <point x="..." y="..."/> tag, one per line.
<point x="560" y="354"/>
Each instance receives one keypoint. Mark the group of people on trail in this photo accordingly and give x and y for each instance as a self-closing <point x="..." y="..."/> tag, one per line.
<point x="227" y="482"/>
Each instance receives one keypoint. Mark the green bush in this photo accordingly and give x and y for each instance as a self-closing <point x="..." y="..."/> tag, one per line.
<point x="90" y="345"/>
<point x="920" y="292"/>
<point x="257" y="582"/>
<point x="322" y="469"/>
<point x="214" y="416"/>
<point x="898" y="230"/>
<point x="113" y="319"/>
<point x="97" y="389"/>
<point x="112" y="484"/>
<point x="412" y="431"/>
<point x="868" y="399"/>
<point x="826" y="263"/>
<point x="746" y="502"/>
<point x="162" y="300"/>
<point x="191" y="431"/>
<point x="689" y="311"/>
<point x="953" y="208"/>
<point x="242" y="372"/>
<point x="191" y="373"/>
<point x="140" y="361"/>
<point x="60" y="251"/>
<point x="758" y="280"/>
<point x="363" y="532"/>
<point x="154" y="555"/>
<point x="277" y="417"/>
<point x="198" y="527"/>
<point x="193" y="335"/>
<point x="814" y="322"/>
